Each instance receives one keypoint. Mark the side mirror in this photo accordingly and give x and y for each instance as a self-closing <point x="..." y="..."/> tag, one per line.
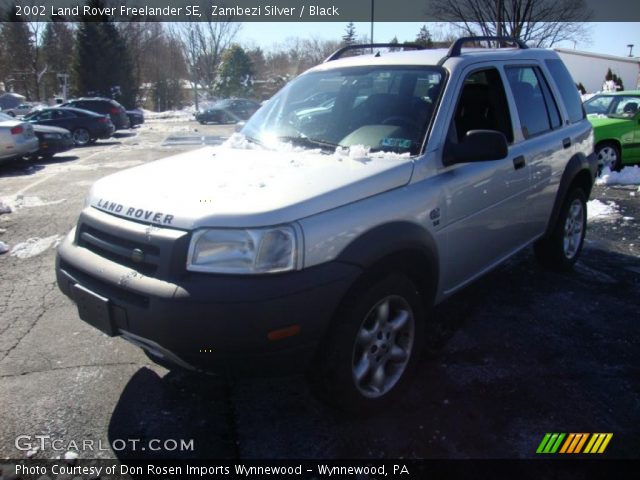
<point x="477" y="146"/>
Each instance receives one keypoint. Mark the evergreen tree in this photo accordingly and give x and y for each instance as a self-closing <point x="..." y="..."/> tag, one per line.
<point x="394" y="40"/>
<point x="349" y="37"/>
<point x="609" y="75"/>
<point x="16" y="55"/>
<point x="424" y="38"/>
<point x="102" y="63"/>
<point x="235" y="77"/>
<point x="57" y="55"/>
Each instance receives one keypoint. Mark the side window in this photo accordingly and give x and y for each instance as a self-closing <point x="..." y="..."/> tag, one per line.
<point x="534" y="115"/>
<point x="482" y="106"/>
<point x="567" y="88"/>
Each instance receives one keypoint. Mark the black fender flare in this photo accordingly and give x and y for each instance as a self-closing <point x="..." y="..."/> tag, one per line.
<point x="394" y="241"/>
<point x="580" y="165"/>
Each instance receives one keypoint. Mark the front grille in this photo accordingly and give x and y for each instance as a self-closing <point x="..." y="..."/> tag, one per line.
<point x="142" y="257"/>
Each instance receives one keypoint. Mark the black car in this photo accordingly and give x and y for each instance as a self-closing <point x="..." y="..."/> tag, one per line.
<point x="231" y="110"/>
<point x="136" y="117"/>
<point x="103" y="106"/>
<point x="85" y="126"/>
<point x="52" y="140"/>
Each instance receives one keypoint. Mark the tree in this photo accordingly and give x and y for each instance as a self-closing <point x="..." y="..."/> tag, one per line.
<point x="203" y="44"/>
<point x="540" y="23"/>
<point x="236" y="73"/>
<point x="394" y="41"/>
<point x="57" y="55"/>
<point x="16" y="54"/>
<point x="102" y="64"/>
<point x="424" y="38"/>
<point x="349" y="37"/>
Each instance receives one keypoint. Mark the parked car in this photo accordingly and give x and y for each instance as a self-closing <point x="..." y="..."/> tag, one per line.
<point x="103" y="106"/>
<point x="136" y="117"/>
<point x="326" y="258"/>
<point x="22" y="109"/>
<point x="85" y="126"/>
<point x="52" y="140"/>
<point x="616" y="127"/>
<point x="230" y="110"/>
<point x="17" y="138"/>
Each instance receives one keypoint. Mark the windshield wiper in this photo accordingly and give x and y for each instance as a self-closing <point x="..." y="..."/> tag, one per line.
<point x="309" y="142"/>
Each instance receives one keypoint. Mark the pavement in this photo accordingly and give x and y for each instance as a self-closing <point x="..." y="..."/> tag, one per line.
<point x="520" y="352"/>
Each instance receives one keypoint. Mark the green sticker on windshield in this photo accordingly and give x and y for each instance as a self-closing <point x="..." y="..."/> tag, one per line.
<point x="396" y="142"/>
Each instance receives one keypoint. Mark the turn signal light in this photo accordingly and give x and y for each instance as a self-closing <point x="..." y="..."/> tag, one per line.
<point x="283" y="333"/>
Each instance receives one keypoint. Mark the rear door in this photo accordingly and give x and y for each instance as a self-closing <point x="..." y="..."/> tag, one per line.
<point x="540" y="139"/>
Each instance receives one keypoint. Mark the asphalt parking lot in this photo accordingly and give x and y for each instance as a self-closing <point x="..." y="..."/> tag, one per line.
<point x="521" y="352"/>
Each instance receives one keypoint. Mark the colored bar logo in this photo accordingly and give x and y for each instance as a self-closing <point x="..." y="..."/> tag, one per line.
<point x="574" y="443"/>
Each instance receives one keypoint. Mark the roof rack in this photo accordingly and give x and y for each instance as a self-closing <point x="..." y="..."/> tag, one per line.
<point x="338" y="53"/>
<point x="456" y="48"/>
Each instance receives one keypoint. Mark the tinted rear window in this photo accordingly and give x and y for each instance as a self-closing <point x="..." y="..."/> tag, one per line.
<point x="567" y="88"/>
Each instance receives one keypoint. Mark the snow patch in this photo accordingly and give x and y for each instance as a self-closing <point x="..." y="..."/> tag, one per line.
<point x="34" y="246"/>
<point x="626" y="176"/>
<point x="4" y="207"/>
<point x="598" y="211"/>
<point x="70" y="456"/>
<point x="29" y="201"/>
<point x="4" y="248"/>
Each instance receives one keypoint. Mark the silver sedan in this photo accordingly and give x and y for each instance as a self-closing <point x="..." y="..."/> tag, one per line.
<point x="17" y="138"/>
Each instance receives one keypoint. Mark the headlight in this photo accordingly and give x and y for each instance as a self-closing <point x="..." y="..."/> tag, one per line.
<point x="54" y="136"/>
<point x="246" y="251"/>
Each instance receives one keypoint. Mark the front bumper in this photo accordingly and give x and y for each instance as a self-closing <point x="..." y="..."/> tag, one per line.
<point x="215" y="323"/>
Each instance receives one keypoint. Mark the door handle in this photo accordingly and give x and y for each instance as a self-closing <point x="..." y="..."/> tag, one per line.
<point x="519" y="162"/>
<point x="566" y="142"/>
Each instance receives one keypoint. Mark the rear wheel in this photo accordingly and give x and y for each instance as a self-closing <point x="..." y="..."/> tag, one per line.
<point x="373" y="347"/>
<point x="561" y="250"/>
<point x="608" y="155"/>
<point x="81" y="136"/>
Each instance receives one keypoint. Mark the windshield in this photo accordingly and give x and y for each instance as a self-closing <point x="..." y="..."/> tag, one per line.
<point x="621" y="106"/>
<point x="380" y="108"/>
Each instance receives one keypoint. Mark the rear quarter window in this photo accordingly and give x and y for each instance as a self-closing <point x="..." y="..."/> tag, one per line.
<point x="568" y="89"/>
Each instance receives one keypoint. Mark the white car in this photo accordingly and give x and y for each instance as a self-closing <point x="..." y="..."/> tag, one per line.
<point x="17" y="138"/>
<point x="22" y="109"/>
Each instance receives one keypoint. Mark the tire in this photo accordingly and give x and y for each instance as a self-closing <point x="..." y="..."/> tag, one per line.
<point x="608" y="155"/>
<point x="81" y="137"/>
<point x="561" y="250"/>
<point x="373" y="347"/>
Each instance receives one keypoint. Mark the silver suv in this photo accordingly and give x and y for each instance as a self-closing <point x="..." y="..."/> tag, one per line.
<point x="367" y="190"/>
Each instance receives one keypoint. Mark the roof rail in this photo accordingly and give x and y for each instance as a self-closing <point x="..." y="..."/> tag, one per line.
<point x="456" y="48"/>
<point x="338" y="53"/>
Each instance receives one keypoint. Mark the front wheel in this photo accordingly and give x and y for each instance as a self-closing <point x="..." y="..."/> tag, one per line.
<point x="561" y="250"/>
<point x="374" y="346"/>
<point x="608" y="155"/>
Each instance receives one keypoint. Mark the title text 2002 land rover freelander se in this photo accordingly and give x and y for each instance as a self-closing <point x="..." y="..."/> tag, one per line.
<point x="367" y="190"/>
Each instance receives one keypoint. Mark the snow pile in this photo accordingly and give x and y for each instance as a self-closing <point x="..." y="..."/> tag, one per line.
<point x="626" y="176"/>
<point x="363" y="154"/>
<point x="34" y="246"/>
<point x="598" y="211"/>
<point x="184" y="114"/>
<point x="4" y="248"/>
<point x="586" y="96"/>
<point x="4" y="207"/>
<point x="240" y="142"/>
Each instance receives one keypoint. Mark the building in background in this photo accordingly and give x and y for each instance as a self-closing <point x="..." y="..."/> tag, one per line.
<point x="590" y="68"/>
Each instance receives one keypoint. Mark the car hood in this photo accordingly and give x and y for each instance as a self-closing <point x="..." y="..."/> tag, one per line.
<point x="48" y="129"/>
<point x="244" y="187"/>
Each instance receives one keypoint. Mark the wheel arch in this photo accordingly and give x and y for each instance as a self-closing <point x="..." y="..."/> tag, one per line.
<point x="615" y="141"/>
<point x="579" y="172"/>
<point x="403" y="247"/>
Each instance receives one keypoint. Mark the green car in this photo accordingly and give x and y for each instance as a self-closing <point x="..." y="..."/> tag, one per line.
<point x="615" y="118"/>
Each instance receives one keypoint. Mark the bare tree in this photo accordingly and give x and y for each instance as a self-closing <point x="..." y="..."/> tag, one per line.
<point x="203" y="44"/>
<point x="540" y="23"/>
